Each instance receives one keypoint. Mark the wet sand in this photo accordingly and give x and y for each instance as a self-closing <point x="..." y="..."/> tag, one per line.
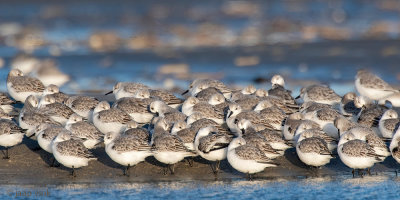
<point x="28" y="165"/>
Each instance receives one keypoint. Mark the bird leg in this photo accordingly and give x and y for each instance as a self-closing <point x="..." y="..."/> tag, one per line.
<point x="6" y="156"/>
<point x="126" y="170"/>
<point x="352" y="172"/>
<point x="73" y="172"/>
<point x="369" y="171"/>
<point x="190" y="161"/>
<point x="172" y="168"/>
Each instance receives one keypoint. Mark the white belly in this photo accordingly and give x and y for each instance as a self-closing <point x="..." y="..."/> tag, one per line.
<point x="245" y="166"/>
<point x="130" y="158"/>
<point x="169" y="157"/>
<point x="8" y="140"/>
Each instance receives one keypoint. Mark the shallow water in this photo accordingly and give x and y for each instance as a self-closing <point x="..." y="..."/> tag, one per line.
<point x="338" y="187"/>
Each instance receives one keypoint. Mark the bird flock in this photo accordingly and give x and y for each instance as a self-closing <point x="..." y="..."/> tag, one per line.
<point x="248" y="127"/>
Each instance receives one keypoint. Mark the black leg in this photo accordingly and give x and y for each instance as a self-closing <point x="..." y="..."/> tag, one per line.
<point x="190" y="161"/>
<point x="369" y="171"/>
<point x="395" y="171"/>
<point x="52" y="162"/>
<point x="126" y="170"/>
<point x="217" y="167"/>
<point x="352" y="172"/>
<point x="6" y="155"/>
<point x="73" y="172"/>
<point x="165" y="170"/>
<point x="172" y="168"/>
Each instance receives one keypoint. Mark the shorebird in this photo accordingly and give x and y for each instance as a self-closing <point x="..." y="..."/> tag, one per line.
<point x="169" y="149"/>
<point x="319" y="94"/>
<point x="82" y="105"/>
<point x="126" y="89"/>
<point x="57" y="111"/>
<point x="356" y="154"/>
<point x="247" y="158"/>
<point x="20" y="87"/>
<point x="313" y="150"/>
<point x="71" y="152"/>
<point x="108" y="119"/>
<point x="90" y="135"/>
<point x="278" y="90"/>
<point x="212" y="146"/>
<point x="371" y="86"/>
<point x="10" y="135"/>
<point x="389" y="123"/>
<point x="126" y="150"/>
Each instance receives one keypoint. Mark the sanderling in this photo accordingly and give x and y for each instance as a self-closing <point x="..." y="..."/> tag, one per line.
<point x="6" y="103"/>
<point x="325" y="118"/>
<point x="82" y="105"/>
<point x="84" y="130"/>
<point x="137" y="108"/>
<point x="54" y="90"/>
<point x="132" y="129"/>
<point x="126" y="150"/>
<point x="370" y="113"/>
<point x="395" y="146"/>
<point x="200" y="84"/>
<point x="343" y="124"/>
<point x="305" y="125"/>
<point x="311" y="106"/>
<point x="126" y="89"/>
<point x="206" y="94"/>
<point x="161" y="108"/>
<point x="45" y="133"/>
<point x="356" y="154"/>
<point x="169" y="98"/>
<point x="70" y="152"/>
<point x="247" y="158"/>
<point x="108" y="119"/>
<point x="248" y="103"/>
<point x="272" y="113"/>
<point x="235" y="114"/>
<point x="243" y="93"/>
<point x="180" y="125"/>
<point x="291" y="124"/>
<point x="389" y="123"/>
<point x="192" y="105"/>
<point x="57" y="111"/>
<point x="169" y="149"/>
<point x="371" y="86"/>
<point x="347" y="106"/>
<point x="278" y="89"/>
<point x="320" y="94"/>
<point x="20" y="87"/>
<point x="313" y="150"/>
<point x="257" y="140"/>
<point x="10" y="135"/>
<point x="274" y="138"/>
<point x="211" y="145"/>
<point x="216" y="99"/>
<point x="331" y="142"/>
<point x="369" y="136"/>
<point x="30" y="116"/>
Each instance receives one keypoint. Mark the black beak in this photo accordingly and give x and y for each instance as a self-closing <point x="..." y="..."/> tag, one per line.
<point x="229" y="114"/>
<point x="298" y="97"/>
<point x="183" y="93"/>
<point x="243" y="131"/>
<point x="108" y="93"/>
<point x="31" y="136"/>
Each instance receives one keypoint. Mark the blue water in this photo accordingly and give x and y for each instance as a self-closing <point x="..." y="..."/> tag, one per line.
<point x="340" y="187"/>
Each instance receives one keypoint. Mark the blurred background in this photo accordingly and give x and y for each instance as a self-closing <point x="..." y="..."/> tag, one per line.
<point x="87" y="46"/>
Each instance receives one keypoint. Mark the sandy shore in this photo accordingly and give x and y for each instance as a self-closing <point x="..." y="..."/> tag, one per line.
<point x="28" y="165"/>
